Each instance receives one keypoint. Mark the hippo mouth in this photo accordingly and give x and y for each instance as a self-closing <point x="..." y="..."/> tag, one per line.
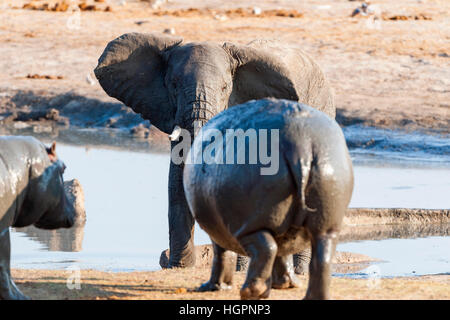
<point x="75" y="200"/>
<point x="70" y="210"/>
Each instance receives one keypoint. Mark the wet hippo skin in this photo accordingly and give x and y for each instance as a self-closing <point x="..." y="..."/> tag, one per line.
<point x="31" y="193"/>
<point x="270" y="217"/>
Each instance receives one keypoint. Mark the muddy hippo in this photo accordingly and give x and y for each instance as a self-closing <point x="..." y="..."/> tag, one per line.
<point x="268" y="211"/>
<point x="31" y="193"/>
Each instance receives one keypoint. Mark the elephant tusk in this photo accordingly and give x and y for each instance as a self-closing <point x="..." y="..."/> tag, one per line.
<point x="175" y="135"/>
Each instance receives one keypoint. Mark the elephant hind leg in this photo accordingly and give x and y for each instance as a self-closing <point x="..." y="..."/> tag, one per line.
<point x="262" y="250"/>
<point x="283" y="275"/>
<point x="223" y="266"/>
<point x="322" y="251"/>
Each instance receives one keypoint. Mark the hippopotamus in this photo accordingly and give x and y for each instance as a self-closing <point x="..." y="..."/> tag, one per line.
<point x="31" y="193"/>
<point x="269" y="213"/>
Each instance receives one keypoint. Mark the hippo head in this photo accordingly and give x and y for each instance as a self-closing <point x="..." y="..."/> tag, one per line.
<point x="58" y="210"/>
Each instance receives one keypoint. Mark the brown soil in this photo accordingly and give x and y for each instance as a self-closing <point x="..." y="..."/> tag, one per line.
<point x="176" y="284"/>
<point x="390" y="72"/>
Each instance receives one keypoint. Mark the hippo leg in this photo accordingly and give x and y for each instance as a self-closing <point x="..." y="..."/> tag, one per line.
<point x="222" y="270"/>
<point x="262" y="250"/>
<point x="8" y="289"/>
<point x="283" y="275"/>
<point x="322" y="251"/>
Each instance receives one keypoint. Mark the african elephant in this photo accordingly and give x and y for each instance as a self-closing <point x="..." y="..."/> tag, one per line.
<point x="31" y="193"/>
<point x="183" y="85"/>
<point x="268" y="210"/>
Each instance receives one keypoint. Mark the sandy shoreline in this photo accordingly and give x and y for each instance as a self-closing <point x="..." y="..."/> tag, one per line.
<point x="177" y="284"/>
<point x="392" y="75"/>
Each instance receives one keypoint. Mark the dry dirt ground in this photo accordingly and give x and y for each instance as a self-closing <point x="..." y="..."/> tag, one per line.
<point x="181" y="283"/>
<point x="388" y="70"/>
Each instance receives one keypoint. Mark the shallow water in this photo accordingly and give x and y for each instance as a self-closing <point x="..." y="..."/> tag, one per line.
<point x="374" y="146"/>
<point x="127" y="203"/>
<point x="402" y="257"/>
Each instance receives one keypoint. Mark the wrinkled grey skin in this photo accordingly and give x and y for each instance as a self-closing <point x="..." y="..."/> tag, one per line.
<point x="31" y="193"/>
<point x="270" y="217"/>
<point x="180" y="84"/>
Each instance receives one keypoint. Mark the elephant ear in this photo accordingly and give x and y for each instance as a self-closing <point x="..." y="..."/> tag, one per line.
<point x="132" y="70"/>
<point x="266" y="68"/>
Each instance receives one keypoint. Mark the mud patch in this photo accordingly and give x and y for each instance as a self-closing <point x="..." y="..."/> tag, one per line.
<point x="230" y="13"/>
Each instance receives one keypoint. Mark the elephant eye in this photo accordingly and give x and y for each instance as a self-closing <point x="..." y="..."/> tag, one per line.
<point x="224" y="87"/>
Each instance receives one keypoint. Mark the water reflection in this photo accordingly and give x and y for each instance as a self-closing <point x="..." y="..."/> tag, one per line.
<point x="393" y="231"/>
<point x="63" y="240"/>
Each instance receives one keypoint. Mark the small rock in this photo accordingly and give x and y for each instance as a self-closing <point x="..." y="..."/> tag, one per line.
<point x="169" y="31"/>
<point x="20" y="125"/>
<point x="221" y="17"/>
<point x="89" y="79"/>
<point x="52" y="114"/>
<point x="180" y="290"/>
<point x="140" y="131"/>
<point x="256" y="11"/>
<point x="42" y="129"/>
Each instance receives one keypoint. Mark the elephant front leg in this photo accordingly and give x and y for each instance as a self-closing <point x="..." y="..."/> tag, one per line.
<point x="222" y="270"/>
<point x="322" y="251"/>
<point x="8" y="289"/>
<point x="181" y="222"/>
<point x="283" y="275"/>
<point x="301" y="261"/>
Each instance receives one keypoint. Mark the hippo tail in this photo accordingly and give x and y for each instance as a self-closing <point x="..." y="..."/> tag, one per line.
<point x="301" y="171"/>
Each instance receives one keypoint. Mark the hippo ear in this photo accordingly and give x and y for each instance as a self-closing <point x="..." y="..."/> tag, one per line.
<point x="52" y="152"/>
<point x="53" y="148"/>
<point x="132" y="69"/>
<point x="266" y="68"/>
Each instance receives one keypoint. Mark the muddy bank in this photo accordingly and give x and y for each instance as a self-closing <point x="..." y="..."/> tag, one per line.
<point x="41" y="111"/>
<point x="386" y="216"/>
<point x="77" y="120"/>
<point x="174" y="284"/>
<point x="380" y="79"/>
<point x="23" y="109"/>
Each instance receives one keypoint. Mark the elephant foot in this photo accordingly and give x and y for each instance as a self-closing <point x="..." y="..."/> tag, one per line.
<point x="257" y="289"/>
<point x="184" y="260"/>
<point x="210" y="286"/>
<point x="283" y="275"/>
<point x="181" y="264"/>
<point x="285" y="282"/>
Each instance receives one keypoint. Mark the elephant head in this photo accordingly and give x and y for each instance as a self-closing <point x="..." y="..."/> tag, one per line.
<point x="175" y="84"/>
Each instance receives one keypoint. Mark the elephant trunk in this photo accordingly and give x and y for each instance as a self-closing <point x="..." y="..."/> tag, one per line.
<point x="196" y="107"/>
